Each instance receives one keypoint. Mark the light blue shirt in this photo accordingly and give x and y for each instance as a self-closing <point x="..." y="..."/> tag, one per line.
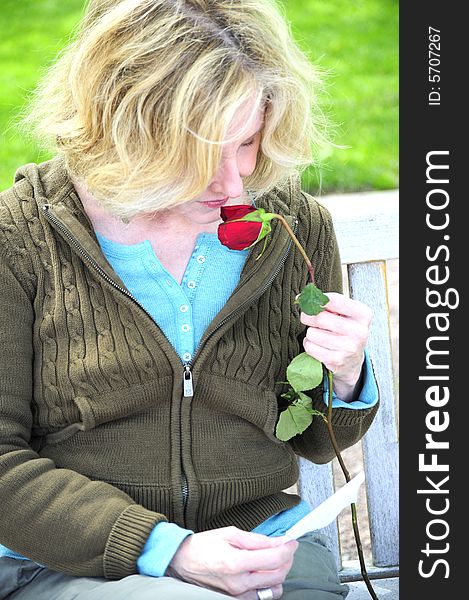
<point x="183" y="311"/>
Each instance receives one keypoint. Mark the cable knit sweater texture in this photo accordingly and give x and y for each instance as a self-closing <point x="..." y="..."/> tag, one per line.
<point x="98" y="442"/>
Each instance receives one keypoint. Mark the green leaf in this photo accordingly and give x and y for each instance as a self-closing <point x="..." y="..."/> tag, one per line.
<point x="260" y="215"/>
<point x="255" y="216"/>
<point x="266" y="216"/>
<point x="290" y="395"/>
<point x="312" y="300"/>
<point x="263" y="233"/>
<point x="304" y="400"/>
<point x="265" y="230"/>
<point x="304" y="372"/>
<point x="299" y="398"/>
<point x="293" y="420"/>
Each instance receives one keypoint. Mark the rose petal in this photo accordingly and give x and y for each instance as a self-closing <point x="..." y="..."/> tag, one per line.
<point x="239" y="235"/>
<point x="237" y="211"/>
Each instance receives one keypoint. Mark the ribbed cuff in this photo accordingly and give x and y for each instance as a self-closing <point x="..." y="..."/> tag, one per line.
<point x="368" y="395"/>
<point x="127" y="540"/>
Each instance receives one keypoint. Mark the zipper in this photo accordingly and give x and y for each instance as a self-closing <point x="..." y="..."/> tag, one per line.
<point x="185" y="492"/>
<point x="188" y="386"/>
<point x="188" y="392"/>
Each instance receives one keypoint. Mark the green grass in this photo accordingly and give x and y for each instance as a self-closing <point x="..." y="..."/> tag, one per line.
<point x="31" y="34"/>
<point x="356" y="42"/>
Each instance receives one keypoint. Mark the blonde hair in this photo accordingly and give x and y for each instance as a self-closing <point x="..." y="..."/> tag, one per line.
<point x="141" y="101"/>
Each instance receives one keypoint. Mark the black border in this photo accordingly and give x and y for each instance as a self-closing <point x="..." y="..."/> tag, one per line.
<point x="425" y="128"/>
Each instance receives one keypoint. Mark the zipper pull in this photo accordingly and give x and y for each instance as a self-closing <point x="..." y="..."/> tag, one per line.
<point x="187" y="382"/>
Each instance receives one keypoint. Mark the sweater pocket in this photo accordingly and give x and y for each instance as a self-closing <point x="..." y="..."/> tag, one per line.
<point x="233" y="430"/>
<point x="238" y="399"/>
<point x="86" y="422"/>
<point x="85" y="413"/>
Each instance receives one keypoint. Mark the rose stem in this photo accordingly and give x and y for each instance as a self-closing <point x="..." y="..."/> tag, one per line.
<point x="298" y="245"/>
<point x="328" y="422"/>
<point x="347" y="477"/>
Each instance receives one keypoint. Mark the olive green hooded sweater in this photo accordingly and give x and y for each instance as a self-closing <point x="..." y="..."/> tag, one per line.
<point x="101" y="437"/>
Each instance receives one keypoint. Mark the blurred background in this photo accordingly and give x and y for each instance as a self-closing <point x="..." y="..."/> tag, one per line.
<point x="355" y="42"/>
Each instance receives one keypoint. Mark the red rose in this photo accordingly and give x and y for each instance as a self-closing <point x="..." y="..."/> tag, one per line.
<point x="229" y="213"/>
<point x="235" y="234"/>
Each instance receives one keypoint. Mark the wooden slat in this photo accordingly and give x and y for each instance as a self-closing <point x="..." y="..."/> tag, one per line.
<point x="366" y="225"/>
<point x="367" y="283"/>
<point x="351" y="571"/>
<point x="315" y="484"/>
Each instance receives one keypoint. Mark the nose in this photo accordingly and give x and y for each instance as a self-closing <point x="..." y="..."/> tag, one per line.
<point x="227" y="180"/>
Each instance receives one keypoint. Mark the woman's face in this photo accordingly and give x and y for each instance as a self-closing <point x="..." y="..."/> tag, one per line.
<point x="238" y="161"/>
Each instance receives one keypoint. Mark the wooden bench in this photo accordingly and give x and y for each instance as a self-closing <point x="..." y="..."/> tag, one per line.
<point x="367" y="233"/>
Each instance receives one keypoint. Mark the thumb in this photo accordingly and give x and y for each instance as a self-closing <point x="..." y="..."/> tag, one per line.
<point x="247" y="540"/>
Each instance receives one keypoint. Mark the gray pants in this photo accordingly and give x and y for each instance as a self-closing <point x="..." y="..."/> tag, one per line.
<point x="313" y="576"/>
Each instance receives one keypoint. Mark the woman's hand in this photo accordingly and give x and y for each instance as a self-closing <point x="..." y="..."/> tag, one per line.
<point x="337" y="337"/>
<point x="234" y="562"/>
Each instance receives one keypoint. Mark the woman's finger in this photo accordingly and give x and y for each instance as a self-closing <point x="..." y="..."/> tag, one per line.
<point x="269" y="559"/>
<point x="277" y="592"/>
<point x="349" y="343"/>
<point x="333" y="341"/>
<point x="263" y="579"/>
<point x="331" y="359"/>
<point x="341" y="306"/>
<point x="333" y="322"/>
<point x="342" y="364"/>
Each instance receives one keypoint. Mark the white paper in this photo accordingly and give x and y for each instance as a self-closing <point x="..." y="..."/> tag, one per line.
<point x="328" y="510"/>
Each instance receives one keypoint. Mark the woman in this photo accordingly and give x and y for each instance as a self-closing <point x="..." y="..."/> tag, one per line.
<point x="139" y="394"/>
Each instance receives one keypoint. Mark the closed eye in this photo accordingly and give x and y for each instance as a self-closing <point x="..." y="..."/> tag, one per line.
<point x="248" y="143"/>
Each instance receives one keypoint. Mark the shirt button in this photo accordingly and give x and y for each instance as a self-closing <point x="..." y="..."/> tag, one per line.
<point x="191" y="284"/>
<point x="201" y="259"/>
<point x="186" y="327"/>
<point x="183" y="308"/>
<point x="186" y="356"/>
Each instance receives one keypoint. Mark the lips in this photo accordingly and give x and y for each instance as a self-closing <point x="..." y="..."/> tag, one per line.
<point x="215" y="203"/>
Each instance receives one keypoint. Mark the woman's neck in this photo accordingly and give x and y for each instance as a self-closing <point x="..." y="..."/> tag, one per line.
<point x="171" y="235"/>
<point x="161" y="229"/>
